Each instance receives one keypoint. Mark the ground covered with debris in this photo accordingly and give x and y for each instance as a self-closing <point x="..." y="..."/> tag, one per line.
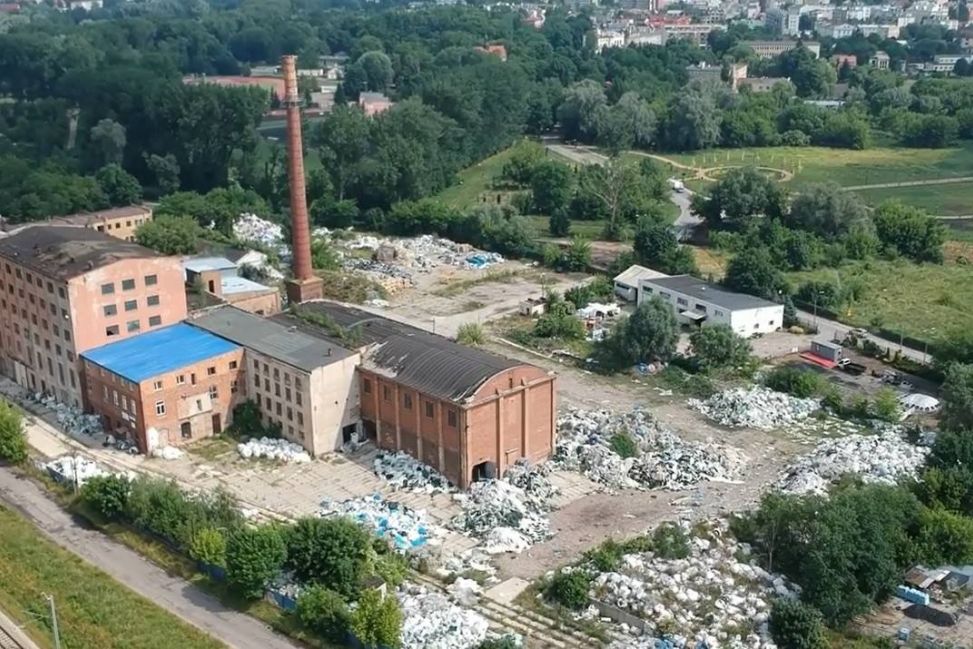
<point x="755" y="407"/>
<point x="273" y="448"/>
<point x="633" y="451"/>
<point x="402" y="472"/>
<point x="883" y="458"/>
<point x="405" y="528"/>
<point x="695" y="596"/>
<point x="433" y="621"/>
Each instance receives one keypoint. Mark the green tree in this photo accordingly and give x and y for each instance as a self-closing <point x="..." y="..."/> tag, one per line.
<point x="617" y="190"/>
<point x="648" y="335"/>
<point x="826" y="210"/>
<point x="910" y="231"/>
<point x="108" y="142"/>
<point x="656" y="246"/>
<point x="551" y="186"/>
<point x="343" y="139"/>
<point x="753" y="271"/>
<point x="166" y="172"/>
<point x="795" y="381"/>
<point x="945" y="538"/>
<point x="577" y="257"/>
<point x="323" y="255"/>
<point x="108" y="495"/>
<point x="13" y="441"/>
<point x="331" y="552"/>
<point x="559" y="224"/>
<point x="209" y="547"/>
<point x="739" y="197"/>
<point x="377" y="67"/>
<point x="254" y="556"/>
<point x="692" y="122"/>
<point x="794" y="625"/>
<point x="377" y="621"/>
<point x="525" y="156"/>
<point x="324" y="612"/>
<point x="119" y="186"/>
<point x="718" y="346"/>
<point x="578" y="112"/>
<point x="559" y="321"/>
<point x="957" y="400"/>
<point x="334" y="214"/>
<point x="170" y="235"/>
<point x="886" y="405"/>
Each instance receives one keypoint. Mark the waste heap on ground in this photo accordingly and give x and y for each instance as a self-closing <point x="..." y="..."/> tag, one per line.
<point x="403" y="472"/>
<point x="709" y="597"/>
<point x="508" y="517"/>
<point x="72" y="420"/>
<point x="755" y="407"/>
<point x="250" y="227"/>
<point x="883" y="459"/>
<point x="432" y="621"/>
<point x="73" y="470"/>
<point x="274" y="449"/>
<point x="589" y="441"/>
<point x="405" y="528"/>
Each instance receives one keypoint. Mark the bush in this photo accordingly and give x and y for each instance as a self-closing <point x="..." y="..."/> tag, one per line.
<point x="331" y="552"/>
<point x="470" y="333"/>
<point x="208" y="546"/>
<point x="606" y="557"/>
<point x="254" y="556"/>
<point x="559" y="321"/>
<point x="569" y="589"/>
<point x="108" y="495"/>
<point x="324" y="612"/>
<point x="719" y="346"/>
<point x="669" y="541"/>
<point x="623" y="444"/>
<point x="794" y="381"/>
<point x="794" y="625"/>
<point x="13" y="442"/>
<point x="505" y="642"/>
<point x="377" y="621"/>
<point x="886" y="405"/>
<point x="551" y="255"/>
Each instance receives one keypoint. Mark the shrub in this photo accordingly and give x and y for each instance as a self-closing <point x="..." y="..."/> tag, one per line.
<point x="623" y="444"/>
<point x="794" y="381"/>
<point x="551" y="255"/>
<point x="794" y="625"/>
<point x="470" y="333"/>
<point x="331" y="552"/>
<point x="559" y="322"/>
<point x="669" y="541"/>
<point x="886" y="405"/>
<point x="108" y="495"/>
<point x="324" y="612"/>
<point x="209" y="546"/>
<point x="606" y="557"/>
<point x="13" y="442"/>
<point x="505" y="642"/>
<point x="377" y="621"/>
<point x="254" y="556"/>
<point x="569" y="589"/>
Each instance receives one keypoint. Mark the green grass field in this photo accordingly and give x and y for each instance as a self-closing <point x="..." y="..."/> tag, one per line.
<point x="927" y="301"/>
<point x="94" y="611"/>
<point x="473" y="181"/>
<point x="951" y="199"/>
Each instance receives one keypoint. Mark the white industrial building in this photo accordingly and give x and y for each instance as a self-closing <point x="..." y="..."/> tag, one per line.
<point x="627" y="282"/>
<point x="698" y="303"/>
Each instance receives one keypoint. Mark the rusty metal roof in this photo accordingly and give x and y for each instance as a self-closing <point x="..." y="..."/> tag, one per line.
<point x="63" y="252"/>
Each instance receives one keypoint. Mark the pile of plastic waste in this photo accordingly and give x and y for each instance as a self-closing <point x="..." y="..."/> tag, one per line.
<point x="710" y="598"/>
<point x="250" y="227"/>
<point x="632" y="451"/>
<point x="756" y="407"/>
<point x="403" y="472"/>
<point x="884" y="459"/>
<point x="72" y="420"/>
<point x="274" y="449"/>
<point x="424" y="252"/>
<point x="168" y="453"/>
<point x="432" y="621"/>
<point x="73" y="469"/>
<point x="405" y="528"/>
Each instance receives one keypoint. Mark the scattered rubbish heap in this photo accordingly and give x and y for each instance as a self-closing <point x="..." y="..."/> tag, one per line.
<point x="755" y="407"/>
<point x="250" y="227"/>
<point x="594" y="442"/>
<point x="73" y="470"/>
<point x="883" y="458"/>
<point x="432" y="621"/>
<point x="405" y="528"/>
<point x="274" y="449"/>
<point x="72" y="420"/>
<point x="403" y="472"/>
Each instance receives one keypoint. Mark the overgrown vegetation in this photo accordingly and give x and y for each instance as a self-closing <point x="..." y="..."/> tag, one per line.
<point x="13" y="440"/>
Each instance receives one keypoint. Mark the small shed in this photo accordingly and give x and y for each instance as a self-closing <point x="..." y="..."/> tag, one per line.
<point x="627" y="282"/>
<point x="533" y="306"/>
<point x="826" y="349"/>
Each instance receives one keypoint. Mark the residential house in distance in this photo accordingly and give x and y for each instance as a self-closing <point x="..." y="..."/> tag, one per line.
<point x="699" y="303"/>
<point x="496" y="49"/>
<point x="770" y="49"/>
<point x="841" y="60"/>
<point x="373" y="103"/>
<point x="762" y="84"/>
<point x="219" y="278"/>
<point x="65" y="290"/>
<point x="166" y="387"/>
<point x="880" y="60"/>
<point x="306" y="384"/>
<point x="468" y="413"/>
<point x="119" y="222"/>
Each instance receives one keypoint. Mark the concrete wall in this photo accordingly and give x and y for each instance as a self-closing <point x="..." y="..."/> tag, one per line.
<point x="761" y="320"/>
<point x="334" y="403"/>
<point x="259" y="302"/>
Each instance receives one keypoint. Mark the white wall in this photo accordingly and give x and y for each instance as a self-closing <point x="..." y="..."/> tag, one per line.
<point x="335" y="403"/>
<point x="766" y="319"/>
<point x="626" y="292"/>
<point x="760" y="320"/>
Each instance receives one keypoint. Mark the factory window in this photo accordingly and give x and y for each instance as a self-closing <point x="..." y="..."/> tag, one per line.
<point x="232" y="365"/>
<point x="53" y="309"/>
<point x="107" y="289"/>
<point x="30" y="278"/>
<point x="266" y="369"/>
<point x="290" y="414"/>
<point x="67" y="335"/>
<point x="111" y="330"/>
<point x="214" y="393"/>
<point x="287" y="394"/>
<point x="298" y="399"/>
<point x="276" y="374"/>
<point x="267" y="402"/>
<point x="407" y="401"/>
<point x="192" y="378"/>
<point x="771" y="323"/>
<point x="718" y="313"/>
<point x="451" y="418"/>
<point x="157" y="385"/>
<point x="114" y="396"/>
<point x="152" y="300"/>
<point x="267" y="385"/>
<point x="210" y="371"/>
<point x="681" y="301"/>
<point x="132" y="325"/>
<point x="131" y="406"/>
<point x="47" y="344"/>
<point x="131" y="305"/>
<point x="18" y="273"/>
<point x="105" y="389"/>
<point x="664" y="295"/>
<point x="300" y="421"/>
<point x="277" y="390"/>
<point x="57" y="348"/>
<point x="128" y="284"/>
<point x="70" y="356"/>
<point x="50" y="287"/>
<point x="287" y="379"/>
<point x="233" y="387"/>
<point x="256" y="364"/>
<point x="30" y="297"/>
<point x="39" y="283"/>
<point x="278" y="408"/>
<point x="124" y="403"/>
<point x="160" y="407"/>
<point x="701" y="307"/>
<point x="429" y="409"/>
<point x="367" y="386"/>
<point x="386" y="393"/>
<point x="297" y="383"/>
<point x="256" y="381"/>
<point x="180" y="379"/>
<point x="151" y="280"/>
<point x="155" y="321"/>
<point x="60" y="292"/>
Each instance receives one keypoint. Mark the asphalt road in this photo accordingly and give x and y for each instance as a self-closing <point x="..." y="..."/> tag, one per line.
<point x="831" y="330"/>
<point x="171" y="593"/>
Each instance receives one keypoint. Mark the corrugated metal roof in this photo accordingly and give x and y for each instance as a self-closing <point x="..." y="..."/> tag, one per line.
<point x="631" y="275"/>
<point x="426" y="362"/>
<point x="203" y="264"/>
<point x="697" y="288"/>
<point x="271" y="338"/>
<point x="158" y="352"/>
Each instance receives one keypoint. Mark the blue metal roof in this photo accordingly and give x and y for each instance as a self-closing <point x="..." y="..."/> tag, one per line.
<point x="158" y="352"/>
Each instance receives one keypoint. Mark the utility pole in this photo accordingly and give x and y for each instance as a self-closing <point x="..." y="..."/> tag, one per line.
<point x="57" y="634"/>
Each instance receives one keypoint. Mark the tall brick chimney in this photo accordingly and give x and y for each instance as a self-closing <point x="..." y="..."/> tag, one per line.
<point x="305" y="285"/>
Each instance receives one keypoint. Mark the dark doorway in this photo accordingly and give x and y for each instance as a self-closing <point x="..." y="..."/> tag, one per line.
<point x="187" y="430"/>
<point x="484" y="471"/>
<point x="217" y="427"/>
<point x="347" y="432"/>
<point x="369" y="427"/>
<point x="212" y="286"/>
